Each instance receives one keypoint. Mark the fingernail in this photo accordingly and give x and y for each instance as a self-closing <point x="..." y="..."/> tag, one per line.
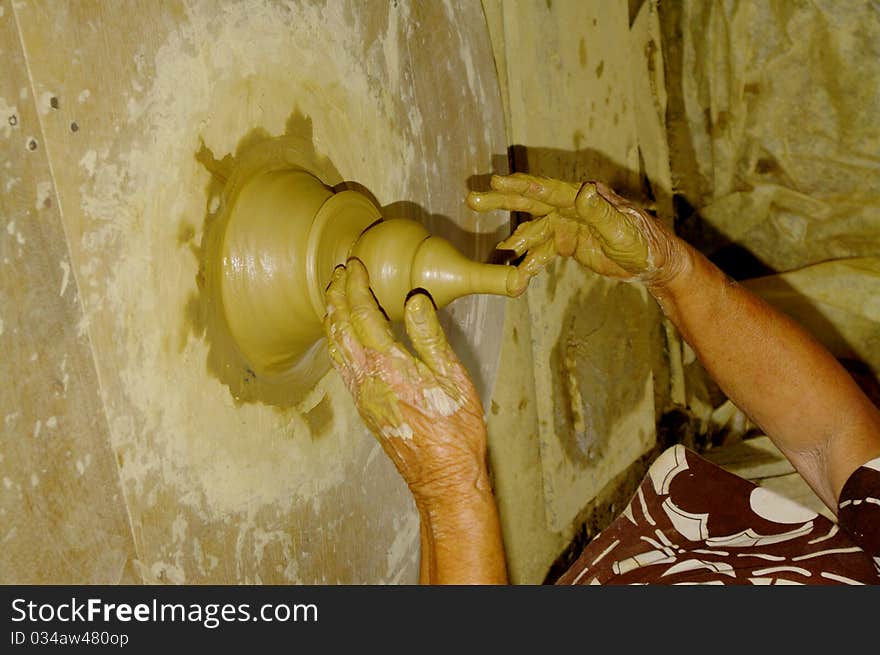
<point x="337" y="274"/>
<point x="419" y="307"/>
<point x="589" y="192"/>
<point x="418" y="302"/>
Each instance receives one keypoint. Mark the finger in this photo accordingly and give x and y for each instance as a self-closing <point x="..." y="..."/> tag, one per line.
<point x="344" y="347"/>
<point x="594" y="208"/>
<point x="531" y="266"/>
<point x="333" y="350"/>
<point x="591" y="255"/>
<point x="567" y="234"/>
<point x="556" y="193"/>
<point x="427" y="336"/>
<point x="512" y="202"/>
<point x="622" y="239"/>
<point x="370" y="324"/>
<point x="609" y="194"/>
<point x="537" y="259"/>
<point x="345" y="371"/>
<point x="528" y="235"/>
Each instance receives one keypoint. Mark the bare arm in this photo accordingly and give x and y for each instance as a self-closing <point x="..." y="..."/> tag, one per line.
<point x="428" y="418"/>
<point x="770" y="367"/>
<point x="461" y="539"/>
<point x="773" y="370"/>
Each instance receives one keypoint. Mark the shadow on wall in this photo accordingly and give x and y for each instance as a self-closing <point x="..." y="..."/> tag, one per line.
<point x="582" y="165"/>
<point x="733" y="258"/>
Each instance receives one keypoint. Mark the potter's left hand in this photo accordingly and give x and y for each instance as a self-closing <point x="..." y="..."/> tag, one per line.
<point x="423" y="409"/>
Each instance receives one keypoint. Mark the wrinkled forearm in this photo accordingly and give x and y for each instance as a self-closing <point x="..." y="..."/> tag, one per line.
<point x="776" y="372"/>
<point x="461" y="537"/>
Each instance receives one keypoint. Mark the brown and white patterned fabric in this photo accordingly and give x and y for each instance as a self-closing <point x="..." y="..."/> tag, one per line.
<point x="692" y="522"/>
<point x="859" y="508"/>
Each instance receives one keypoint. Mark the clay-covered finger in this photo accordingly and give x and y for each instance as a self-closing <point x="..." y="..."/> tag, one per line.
<point x="528" y="235"/>
<point x="426" y="334"/>
<point x="332" y="347"/>
<point x="621" y="236"/>
<point x="345" y="346"/>
<point x="348" y="373"/>
<point x="594" y="208"/>
<point x="512" y="202"/>
<point x="556" y="193"/>
<point x="535" y="261"/>
<point x="370" y="324"/>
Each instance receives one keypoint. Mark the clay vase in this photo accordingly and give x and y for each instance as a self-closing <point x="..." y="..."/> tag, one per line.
<point x="285" y="231"/>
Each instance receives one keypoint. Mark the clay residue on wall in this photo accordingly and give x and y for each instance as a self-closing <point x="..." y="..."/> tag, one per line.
<point x="219" y="490"/>
<point x="140" y="210"/>
<point x="255" y="484"/>
<point x="570" y="118"/>
<point x="602" y="346"/>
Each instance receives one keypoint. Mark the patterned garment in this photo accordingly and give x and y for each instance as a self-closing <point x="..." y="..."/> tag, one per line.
<point x="692" y="522"/>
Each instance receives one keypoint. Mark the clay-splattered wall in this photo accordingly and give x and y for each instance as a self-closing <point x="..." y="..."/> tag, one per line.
<point x="123" y="457"/>
<point x="62" y="514"/>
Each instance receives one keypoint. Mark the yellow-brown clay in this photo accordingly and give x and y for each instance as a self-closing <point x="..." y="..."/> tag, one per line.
<point x="284" y="234"/>
<point x="386" y="249"/>
<point x="400" y="255"/>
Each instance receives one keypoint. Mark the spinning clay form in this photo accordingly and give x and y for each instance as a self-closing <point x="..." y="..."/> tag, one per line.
<point x="283" y="231"/>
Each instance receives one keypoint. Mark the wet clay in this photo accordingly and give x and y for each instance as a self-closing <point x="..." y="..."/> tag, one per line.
<point x="400" y="255"/>
<point x="283" y="233"/>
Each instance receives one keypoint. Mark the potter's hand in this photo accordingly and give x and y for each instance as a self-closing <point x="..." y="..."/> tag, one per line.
<point x="424" y="410"/>
<point x="588" y="221"/>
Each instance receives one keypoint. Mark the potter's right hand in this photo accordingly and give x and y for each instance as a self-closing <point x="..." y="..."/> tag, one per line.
<point x="424" y="409"/>
<point x="587" y="221"/>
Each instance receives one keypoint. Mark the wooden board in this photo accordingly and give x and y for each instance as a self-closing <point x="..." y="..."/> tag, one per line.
<point x="62" y="515"/>
<point x="596" y="343"/>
